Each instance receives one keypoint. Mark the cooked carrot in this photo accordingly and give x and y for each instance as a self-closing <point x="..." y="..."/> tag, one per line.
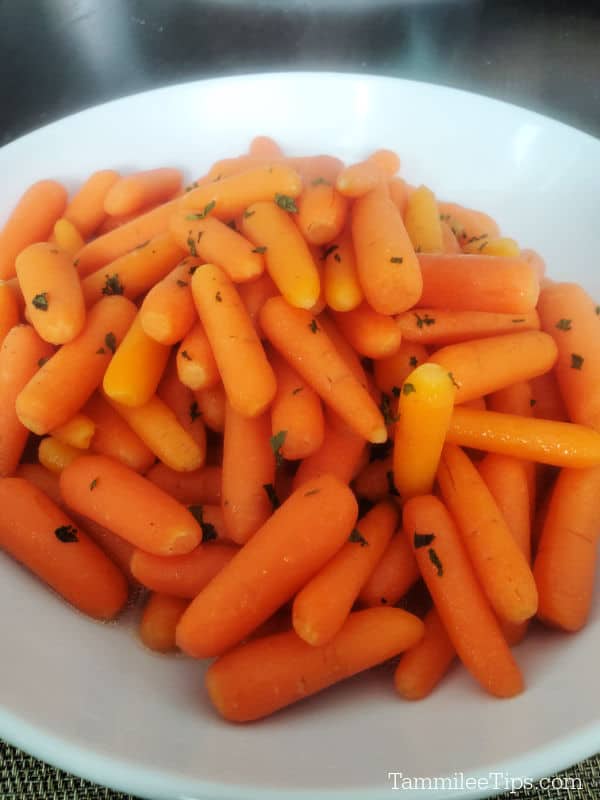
<point x="55" y="455"/>
<point x="360" y="178"/>
<point x="264" y="147"/>
<point x="296" y="541"/>
<point x="113" y="437"/>
<point x="161" y="614"/>
<point x="216" y="243"/>
<point x="64" y="383"/>
<point x="9" y="310"/>
<point x="38" y="534"/>
<point x="458" y="597"/>
<point x="31" y="220"/>
<point x="536" y="262"/>
<point x="387" y="266"/>
<point x="67" y="237"/>
<point x="287" y="256"/>
<point x="196" y="365"/>
<point x="52" y="292"/>
<point x="45" y="480"/>
<point x="322" y="212"/>
<point x="271" y="672"/>
<point x="423" y="666"/>
<point x="132" y="193"/>
<point x="296" y="410"/>
<point x="497" y="558"/>
<point x="248" y="472"/>
<point x="255" y="294"/>
<point x="399" y="193"/>
<point x="422" y="221"/>
<point x="375" y="481"/>
<point x="77" y="432"/>
<point x="370" y="334"/>
<point x="203" y="486"/>
<point x="482" y="366"/>
<point x="308" y="167"/>
<point x="560" y="444"/>
<point x="102" y="488"/>
<point x="211" y="403"/>
<point x="322" y="606"/>
<point x="391" y="372"/>
<point x="117" y="549"/>
<point x="168" y="311"/>
<point x="546" y="398"/>
<point x="387" y="160"/>
<point x="492" y="246"/>
<point x="467" y="223"/>
<point x="184" y="575"/>
<point x="478" y="283"/>
<point x="135" y="272"/>
<point x="303" y="342"/>
<point x="183" y="404"/>
<point x="86" y="208"/>
<point x="21" y="354"/>
<point x="449" y="241"/>
<point x="424" y="412"/>
<point x="344" y="349"/>
<point x="393" y="576"/>
<point x="439" y="327"/>
<point x="340" y="279"/>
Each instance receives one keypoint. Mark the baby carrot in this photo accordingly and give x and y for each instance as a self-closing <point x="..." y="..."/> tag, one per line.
<point x="132" y="193"/>
<point x="422" y="221"/>
<point x="467" y="223"/>
<point x="77" y="432"/>
<point x="375" y="481"/>
<point x="344" y="349"/>
<point x="56" y="455"/>
<point x="370" y="334"/>
<point x="31" y="220"/>
<point x="360" y="178"/>
<point x="52" y="292"/>
<point x="391" y="372"/>
<point x="546" y="398"/>
<point x="196" y="365"/>
<point x="423" y="666"/>
<point x="439" y="327"/>
<point x="184" y="575"/>
<point x="271" y="672"/>
<point x="248" y="471"/>
<point x="168" y="311"/>
<point x="536" y="261"/>
<point x="463" y="608"/>
<point x="482" y="366"/>
<point x="247" y="375"/>
<point x="255" y="294"/>
<point x="190" y="488"/>
<point x="322" y="212"/>
<point x="387" y="160"/>
<point x="182" y="403"/>
<point x="102" y="488"/>
<point x="21" y="353"/>
<point x="86" y="208"/>
<point x="294" y="543"/>
<point x="478" y="283"/>
<point x="399" y="193"/>
<point x="38" y="534"/>
<point x="424" y="412"/>
<point x="67" y="238"/>
<point x="287" y="256"/>
<point x="211" y="404"/>
<point x="43" y="479"/>
<point x="393" y="576"/>
<point x="340" y="278"/>
<point x="487" y="246"/>
<point x="560" y="444"/>
<point x="324" y="603"/>
<point x="449" y="241"/>
<point x="113" y="437"/>
<point x="161" y="614"/>
<point x="264" y="147"/>
<point x="64" y="383"/>
<point x="9" y="310"/>
<point x="305" y="344"/>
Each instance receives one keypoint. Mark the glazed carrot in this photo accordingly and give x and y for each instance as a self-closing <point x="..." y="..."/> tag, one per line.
<point x="55" y="455"/>
<point x="248" y="468"/>
<point x="560" y="444"/>
<point x="181" y="576"/>
<point x="572" y="318"/>
<point x="439" y="327"/>
<point x="255" y="294"/>
<point x="135" y="272"/>
<point x="40" y="536"/>
<point x="344" y="349"/>
<point x="31" y="220"/>
<point x="508" y="481"/>
<point x="158" y="428"/>
<point x="322" y="212"/>
<point x="132" y="193"/>
<point x="393" y="576"/>
<point x="375" y="481"/>
<point x="264" y="147"/>
<point x="247" y="375"/>
<point x="467" y="223"/>
<point x="102" y="488"/>
<point x="296" y="410"/>
<point x="497" y="558"/>
<point x="86" y="208"/>
<point x="449" y="241"/>
<point x="113" y="437"/>
<point x="21" y="353"/>
<point x="322" y="606"/>
<point x="391" y="372"/>
<point x="303" y="342"/>
<point x="111" y="223"/>
<point x="399" y="193"/>
<point x="77" y="432"/>
<point x="67" y="237"/>
<point x="463" y="608"/>
<point x="536" y="262"/>
<point x="546" y="398"/>
<point x="424" y="412"/>
<point x="211" y="403"/>
<point x="168" y="311"/>
<point x="45" y="480"/>
<point x="216" y="243"/>
<point x="423" y="666"/>
<point x="136" y="368"/>
<point x="161" y="614"/>
<point x="308" y="167"/>
<point x="287" y="256"/>
<point x="478" y="283"/>
<point x="341" y="454"/>
<point x="52" y="292"/>
<point x="422" y="221"/>
<point x="370" y="334"/>
<point x="266" y="674"/>
<point x="387" y="266"/>
<point x="565" y="563"/>
<point x="360" y="178"/>
<point x="294" y="543"/>
<point x="496" y="246"/>
<point x="183" y="404"/>
<point x="53" y="395"/>
<point x="340" y="279"/>
<point x="196" y="365"/>
<point x="9" y="310"/>
<point x="203" y="486"/>
<point x="482" y="366"/>
<point x="387" y="160"/>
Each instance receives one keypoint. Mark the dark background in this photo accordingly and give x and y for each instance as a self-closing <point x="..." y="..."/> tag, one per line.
<point x="59" y="56"/>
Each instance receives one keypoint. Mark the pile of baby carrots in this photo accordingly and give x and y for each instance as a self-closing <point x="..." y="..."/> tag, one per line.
<point x="323" y="418"/>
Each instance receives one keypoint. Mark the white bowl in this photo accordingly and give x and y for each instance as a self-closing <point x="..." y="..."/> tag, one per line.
<point x="88" y="697"/>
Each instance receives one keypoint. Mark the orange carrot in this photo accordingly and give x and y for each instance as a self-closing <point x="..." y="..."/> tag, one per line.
<point x="341" y="454"/>
<point x="399" y="193"/>
<point x="39" y="535"/>
<point x="264" y="147"/>
<point x="449" y="241"/>
<point x="546" y="397"/>
<point x="422" y="221"/>
<point x="77" y="432"/>
<point x="102" y="488"/>
<point x="45" y="480"/>
<point x="203" y="486"/>
<point x="56" y="455"/>
<point x="31" y="220"/>
<point x="271" y="672"/>
<point x="393" y="576"/>
<point x="375" y="481"/>
<point x="297" y="540"/>
<point x="9" y="310"/>
<point x="322" y="212"/>
<point x="168" y="311"/>
<point x="370" y="334"/>
<point x="135" y="192"/>
<point x="536" y="262"/>
<point x="52" y="292"/>
<point x="86" y="208"/>
<point x="67" y="237"/>
<point x="439" y="327"/>
<point x="113" y="437"/>
<point x="340" y="279"/>
<point x="391" y="372"/>
<point x="196" y="365"/>
<point x="322" y="606"/>
<point x="387" y="160"/>
<point x="344" y="349"/>
<point x="255" y="294"/>
<point x="463" y="608"/>
<point x="211" y="403"/>
<point x="182" y="403"/>
<point x="161" y="614"/>
<point x="467" y="223"/>
<point x="423" y="666"/>
<point x="496" y="246"/>
<point x="360" y="178"/>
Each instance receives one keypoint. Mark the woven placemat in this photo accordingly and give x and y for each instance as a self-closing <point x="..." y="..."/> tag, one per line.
<point x="23" y="777"/>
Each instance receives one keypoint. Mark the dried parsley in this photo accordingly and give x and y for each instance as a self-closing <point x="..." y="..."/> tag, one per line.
<point x="311" y="492"/>
<point x="408" y="388"/>
<point x="389" y="416"/>
<point x="356" y="536"/>
<point x="396" y="259"/>
<point x="424" y="321"/>
<point x="209" y="532"/>
<point x="272" y="495"/>
<point x="110" y="340"/>
<point x="297" y="390"/>
<point x="218" y="297"/>
<point x="40" y="301"/>
<point x="66" y="534"/>
<point x="194" y="411"/>
<point x="192" y="246"/>
<point x="276" y="443"/>
<point x="112" y="285"/>
<point x="423" y="539"/>
<point x="319" y="181"/>
<point x="93" y="484"/>
<point x="564" y="324"/>
<point x="453" y="380"/>
<point x="286" y="202"/>
<point x="313" y="325"/>
<point x="329" y="250"/>
<point x="181" y="283"/>
<point x="435" y="560"/>
<point x="248" y="213"/>
<point x="260" y="250"/>
<point x="203" y="214"/>
<point x="576" y="361"/>
<point x="413" y="361"/>
<point x="185" y="355"/>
